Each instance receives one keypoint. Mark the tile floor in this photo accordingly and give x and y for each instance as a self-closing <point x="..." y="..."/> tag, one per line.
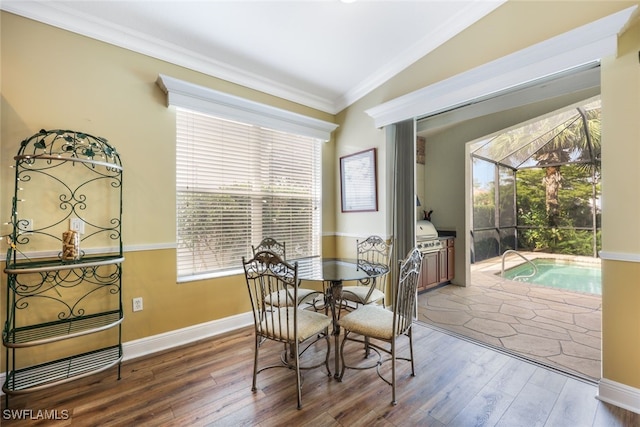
<point x="557" y="328"/>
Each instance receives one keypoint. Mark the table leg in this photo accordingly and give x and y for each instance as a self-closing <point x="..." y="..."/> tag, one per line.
<point x="333" y="295"/>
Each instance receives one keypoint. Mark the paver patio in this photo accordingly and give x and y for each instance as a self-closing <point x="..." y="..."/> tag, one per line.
<point x="560" y="329"/>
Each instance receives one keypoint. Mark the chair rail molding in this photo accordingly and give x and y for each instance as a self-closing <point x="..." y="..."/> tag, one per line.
<point x="620" y="256"/>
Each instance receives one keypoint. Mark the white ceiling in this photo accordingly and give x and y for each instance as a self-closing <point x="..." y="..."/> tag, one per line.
<point x="325" y="54"/>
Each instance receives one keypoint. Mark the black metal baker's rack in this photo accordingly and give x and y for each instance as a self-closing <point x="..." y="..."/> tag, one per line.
<point x="64" y="316"/>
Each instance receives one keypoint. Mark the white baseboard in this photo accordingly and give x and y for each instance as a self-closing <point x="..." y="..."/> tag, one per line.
<point x="167" y="340"/>
<point x="620" y="395"/>
<point x="609" y="391"/>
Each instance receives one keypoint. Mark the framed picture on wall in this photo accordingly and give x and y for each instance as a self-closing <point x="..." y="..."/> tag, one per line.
<point x="358" y="182"/>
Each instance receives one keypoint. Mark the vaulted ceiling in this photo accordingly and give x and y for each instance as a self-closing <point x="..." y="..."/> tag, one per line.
<point x="325" y="54"/>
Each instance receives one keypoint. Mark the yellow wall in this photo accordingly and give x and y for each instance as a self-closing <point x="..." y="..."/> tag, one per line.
<point x="512" y="27"/>
<point x="621" y="322"/>
<point x="621" y="211"/>
<point x="52" y="78"/>
<point x="56" y="79"/>
<point x="621" y="145"/>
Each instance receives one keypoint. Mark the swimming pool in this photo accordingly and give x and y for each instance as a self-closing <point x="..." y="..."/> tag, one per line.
<point x="570" y="275"/>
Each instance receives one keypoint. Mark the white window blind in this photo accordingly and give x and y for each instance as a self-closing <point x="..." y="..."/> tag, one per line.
<point x="237" y="183"/>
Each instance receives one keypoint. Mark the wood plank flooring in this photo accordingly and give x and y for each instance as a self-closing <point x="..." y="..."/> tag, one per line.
<point x="458" y="383"/>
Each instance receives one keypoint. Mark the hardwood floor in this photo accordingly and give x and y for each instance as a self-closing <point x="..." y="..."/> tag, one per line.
<point x="208" y="383"/>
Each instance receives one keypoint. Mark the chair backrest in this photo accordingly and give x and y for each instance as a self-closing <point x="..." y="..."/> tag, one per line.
<point x="375" y="252"/>
<point x="374" y="249"/>
<point x="272" y="245"/>
<point x="405" y="293"/>
<point x="271" y="282"/>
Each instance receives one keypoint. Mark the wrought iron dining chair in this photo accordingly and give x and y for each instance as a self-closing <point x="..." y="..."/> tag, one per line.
<point x="383" y="327"/>
<point x="375" y="253"/>
<point x="272" y="245"/>
<point x="305" y="295"/>
<point x="267" y="275"/>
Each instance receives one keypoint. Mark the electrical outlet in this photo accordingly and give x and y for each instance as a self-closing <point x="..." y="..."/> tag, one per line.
<point x="76" y="224"/>
<point x="137" y="304"/>
<point x="25" y="225"/>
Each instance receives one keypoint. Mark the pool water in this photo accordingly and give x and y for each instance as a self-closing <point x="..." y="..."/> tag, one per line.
<point x="580" y="277"/>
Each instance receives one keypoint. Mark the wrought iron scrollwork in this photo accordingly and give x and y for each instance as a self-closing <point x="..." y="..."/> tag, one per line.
<point x="42" y="159"/>
<point x="69" y="288"/>
<point x="67" y="183"/>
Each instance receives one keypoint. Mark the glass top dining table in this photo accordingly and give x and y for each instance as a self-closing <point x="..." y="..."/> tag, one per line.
<point x="332" y="272"/>
<point x="337" y="269"/>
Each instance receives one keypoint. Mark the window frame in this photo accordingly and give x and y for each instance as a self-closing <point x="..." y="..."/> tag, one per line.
<point x="228" y="107"/>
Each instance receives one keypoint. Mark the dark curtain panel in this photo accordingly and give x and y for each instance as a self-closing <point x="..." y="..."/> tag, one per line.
<point x="402" y="149"/>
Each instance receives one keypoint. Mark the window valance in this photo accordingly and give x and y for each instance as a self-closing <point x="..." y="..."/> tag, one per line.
<point x="199" y="98"/>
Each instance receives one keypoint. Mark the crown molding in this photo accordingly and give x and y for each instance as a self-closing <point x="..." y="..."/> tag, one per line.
<point x="583" y="45"/>
<point x="447" y="29"/>
<point x="61" y="16"/>
<point x="57" y="15"/>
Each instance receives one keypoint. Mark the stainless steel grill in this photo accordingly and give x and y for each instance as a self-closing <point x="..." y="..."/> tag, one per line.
<point x="427" y="237"/>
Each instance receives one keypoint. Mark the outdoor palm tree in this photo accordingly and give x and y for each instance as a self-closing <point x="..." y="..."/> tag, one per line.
<point x="570" y="137"/>
<point x="576" y="141"/>
<point x="552" y="156"/>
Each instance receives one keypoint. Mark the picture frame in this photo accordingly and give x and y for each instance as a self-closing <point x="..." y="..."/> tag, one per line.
<point x="358" y="182"/>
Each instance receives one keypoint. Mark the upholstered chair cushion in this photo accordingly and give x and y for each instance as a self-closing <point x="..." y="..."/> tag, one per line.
<point x="309" y="323"/>
<point x="360" y="293"/>
<point x="278" y="298"/>
<point x="369" y="320"/>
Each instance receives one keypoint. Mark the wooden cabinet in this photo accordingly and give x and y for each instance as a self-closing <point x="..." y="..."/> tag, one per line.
<point x="451" y="257"/>
<point x="442" y="265"/>
<point x="429" y="272"/>
<point x="437" y="267"/>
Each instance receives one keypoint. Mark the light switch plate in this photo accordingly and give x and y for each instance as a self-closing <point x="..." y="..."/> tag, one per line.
<point x="76" y="224"/>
